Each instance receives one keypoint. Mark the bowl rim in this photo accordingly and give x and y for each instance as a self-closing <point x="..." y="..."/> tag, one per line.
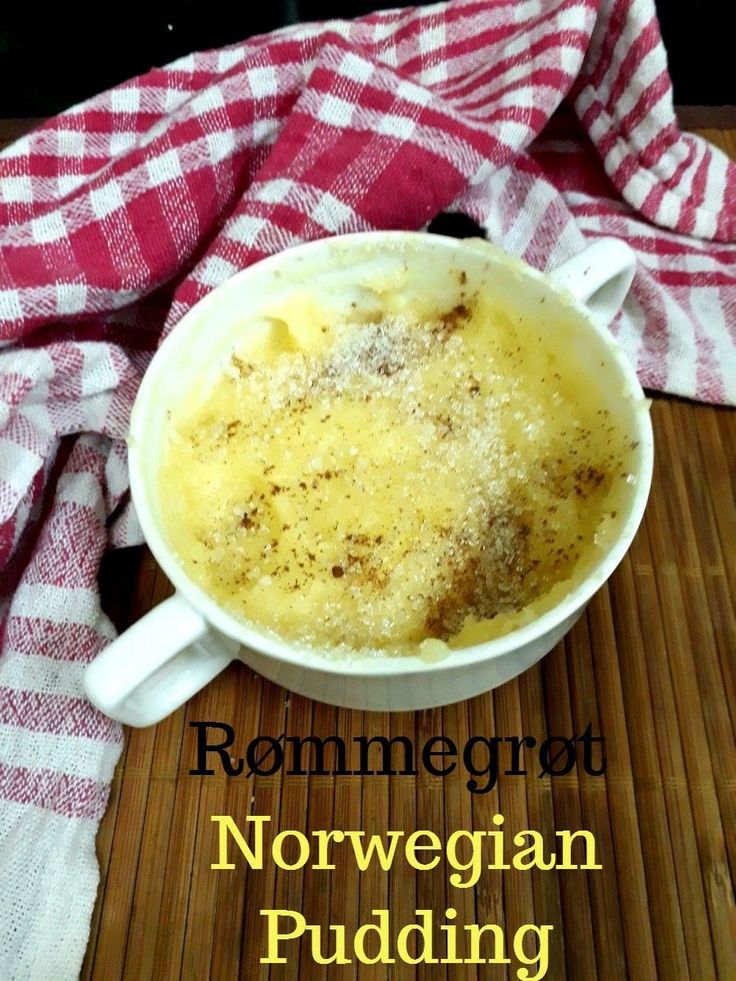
<point x="363" y="663"/>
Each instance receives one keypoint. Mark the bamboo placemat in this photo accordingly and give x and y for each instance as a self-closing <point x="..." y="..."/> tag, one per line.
<point x="651" y="666"/>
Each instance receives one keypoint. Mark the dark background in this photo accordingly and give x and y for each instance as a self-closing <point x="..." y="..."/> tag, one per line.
<point x="51" y="58"/>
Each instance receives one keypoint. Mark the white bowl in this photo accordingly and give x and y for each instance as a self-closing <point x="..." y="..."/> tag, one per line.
<point x="182" y="644"/>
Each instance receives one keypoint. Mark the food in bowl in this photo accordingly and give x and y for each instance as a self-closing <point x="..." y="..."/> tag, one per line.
<point x="388" y="460"/>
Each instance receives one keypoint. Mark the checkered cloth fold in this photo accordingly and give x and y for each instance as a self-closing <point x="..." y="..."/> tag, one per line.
<point x="119" y="214"/>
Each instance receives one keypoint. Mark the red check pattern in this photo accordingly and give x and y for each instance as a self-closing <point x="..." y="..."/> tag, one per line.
<point x="118" y="215"/>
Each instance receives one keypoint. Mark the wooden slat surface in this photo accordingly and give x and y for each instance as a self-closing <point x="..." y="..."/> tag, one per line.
<point x="652" y="666"/>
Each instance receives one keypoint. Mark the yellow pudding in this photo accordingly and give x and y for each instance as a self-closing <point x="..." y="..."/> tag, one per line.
<point x="391" y="476"/>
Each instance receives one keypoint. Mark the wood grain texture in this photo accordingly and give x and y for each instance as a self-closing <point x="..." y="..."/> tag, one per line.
<point x="652" y="666"/>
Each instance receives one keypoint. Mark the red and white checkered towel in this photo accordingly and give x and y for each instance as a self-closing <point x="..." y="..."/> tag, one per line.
<point x="121" y="213"/>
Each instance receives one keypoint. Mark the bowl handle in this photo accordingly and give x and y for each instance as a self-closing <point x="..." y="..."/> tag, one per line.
<point x="599" y="276"/>
<point x="157" y="664"/>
